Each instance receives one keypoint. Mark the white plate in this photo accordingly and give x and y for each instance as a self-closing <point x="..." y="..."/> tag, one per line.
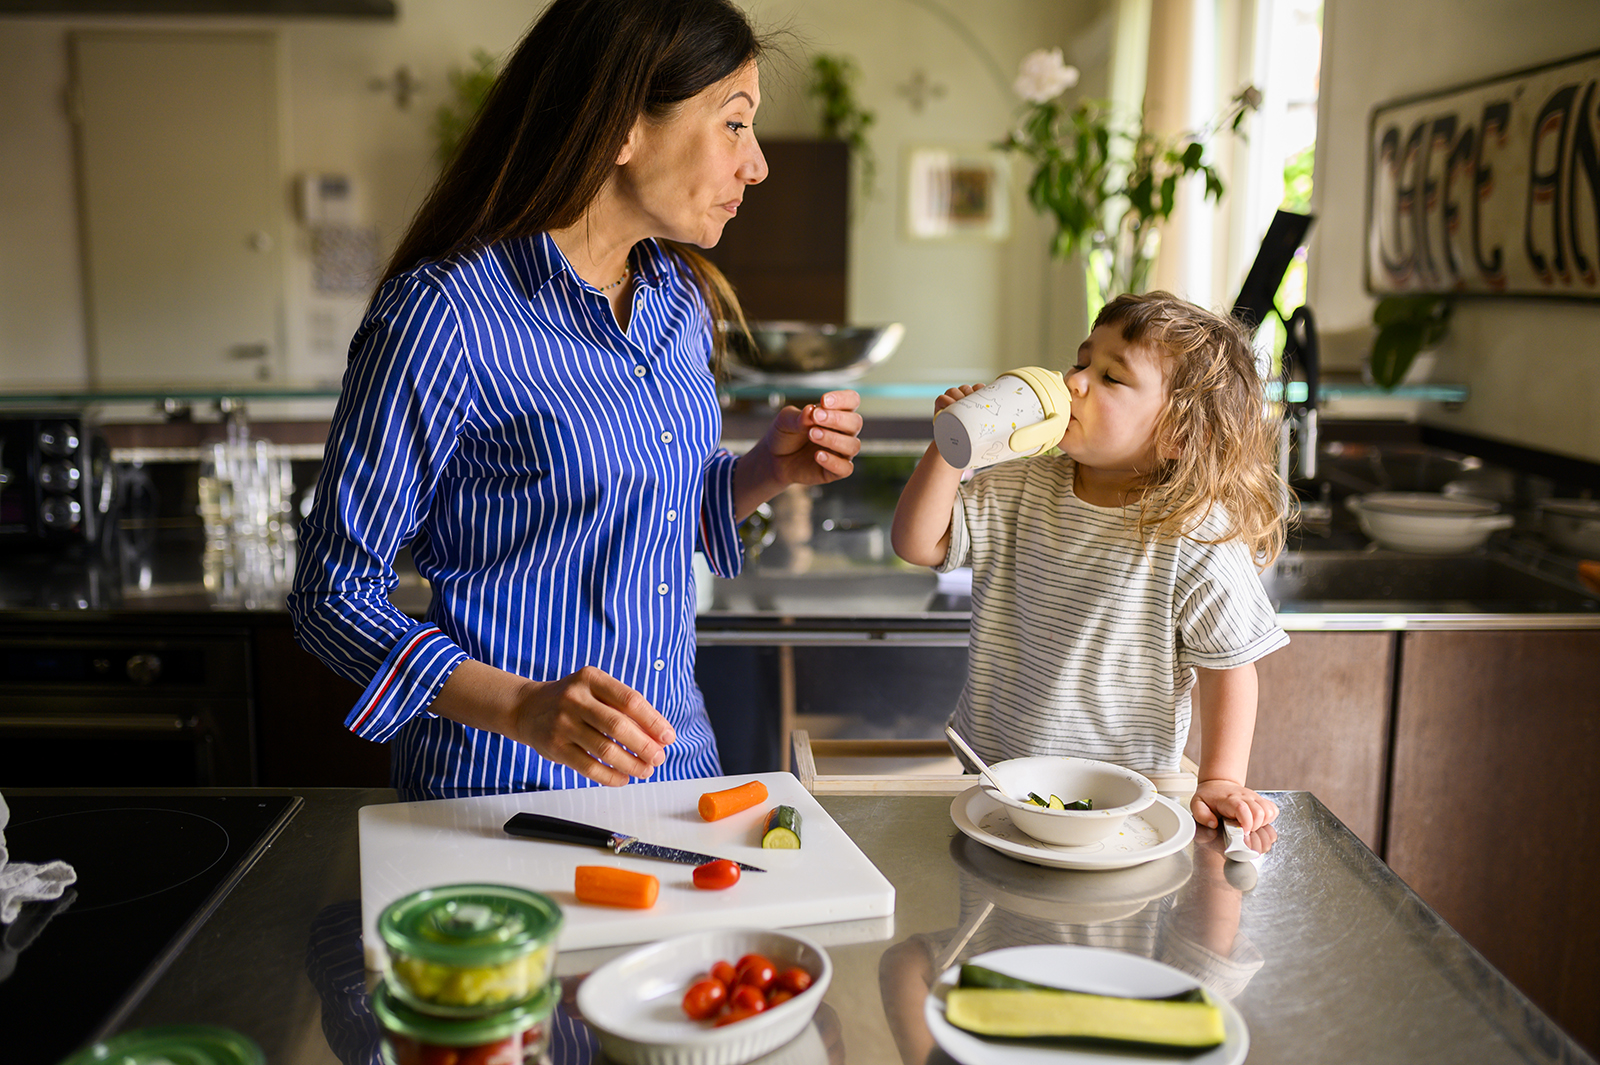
<point x="1068" y="896"/>
<point x="1163" y="828"/>
<point x="1109" y="972"/>
<point x="635" y="1003"/>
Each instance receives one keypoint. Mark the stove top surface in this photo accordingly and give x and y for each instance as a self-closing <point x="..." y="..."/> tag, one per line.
<point x="151" y="869"/>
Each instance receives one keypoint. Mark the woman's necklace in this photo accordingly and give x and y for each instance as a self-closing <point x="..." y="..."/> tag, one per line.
<point x="627" y="272"/>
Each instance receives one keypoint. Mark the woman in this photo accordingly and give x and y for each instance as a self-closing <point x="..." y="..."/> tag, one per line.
<point x="529" y="406"/>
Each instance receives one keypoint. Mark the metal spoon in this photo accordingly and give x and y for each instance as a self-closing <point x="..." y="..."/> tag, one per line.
<point x="983" y="767"/>
<point x="1237" y="849"/>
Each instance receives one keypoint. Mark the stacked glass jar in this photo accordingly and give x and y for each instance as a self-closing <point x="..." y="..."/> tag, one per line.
<point x="467" y="976"/>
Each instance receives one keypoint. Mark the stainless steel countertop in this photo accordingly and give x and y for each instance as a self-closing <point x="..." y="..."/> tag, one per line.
<point x="1327" y="955"/>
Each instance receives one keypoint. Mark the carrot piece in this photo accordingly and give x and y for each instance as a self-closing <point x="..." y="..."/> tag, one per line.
<point x="715" y="805"/>
<point x="606" y="885"/>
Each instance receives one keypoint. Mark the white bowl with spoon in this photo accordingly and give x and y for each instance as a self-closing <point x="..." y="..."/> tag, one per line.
<point x="1112" y="792"/>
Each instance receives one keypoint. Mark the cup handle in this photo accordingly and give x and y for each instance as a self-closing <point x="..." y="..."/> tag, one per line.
<point x="1040" y="435"/>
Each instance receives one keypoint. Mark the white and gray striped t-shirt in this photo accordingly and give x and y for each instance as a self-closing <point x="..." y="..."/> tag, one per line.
<point x="1084" y="643"/>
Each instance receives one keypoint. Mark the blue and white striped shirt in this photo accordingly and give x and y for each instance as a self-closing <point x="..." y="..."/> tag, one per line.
<point x="553" y="475"/>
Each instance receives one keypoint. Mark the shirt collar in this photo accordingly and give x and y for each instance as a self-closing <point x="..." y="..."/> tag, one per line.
<point x="539" y="260"/>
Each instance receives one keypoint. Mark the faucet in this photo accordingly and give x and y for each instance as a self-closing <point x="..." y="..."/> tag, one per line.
<point x="1300" y="419"/>
<point x="1298" y="432"/>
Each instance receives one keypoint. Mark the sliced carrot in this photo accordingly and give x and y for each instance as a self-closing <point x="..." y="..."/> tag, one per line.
<point x="715" y="805"/>
<point x="606" y="885"/>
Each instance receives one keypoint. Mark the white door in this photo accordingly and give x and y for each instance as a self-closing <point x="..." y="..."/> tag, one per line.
<point x="183" y="217"/>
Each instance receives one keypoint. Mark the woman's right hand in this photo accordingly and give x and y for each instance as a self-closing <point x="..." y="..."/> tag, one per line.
<point x="952" y="395"/>
<point x="588" y="721"/>
<point x="595" y="724"/>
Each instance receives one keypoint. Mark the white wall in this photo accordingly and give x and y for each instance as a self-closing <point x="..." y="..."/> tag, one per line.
<point x="1533" y="366"/>
<point x="968" y="306"/>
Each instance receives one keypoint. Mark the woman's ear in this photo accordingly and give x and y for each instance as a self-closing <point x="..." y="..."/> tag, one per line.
<point x="630" y="145"/>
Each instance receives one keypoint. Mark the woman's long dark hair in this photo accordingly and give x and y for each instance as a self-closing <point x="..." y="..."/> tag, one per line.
<point x="547" y="136"/>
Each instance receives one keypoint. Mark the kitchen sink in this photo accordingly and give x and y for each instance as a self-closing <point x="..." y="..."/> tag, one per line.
<point x="1393" y="582"/>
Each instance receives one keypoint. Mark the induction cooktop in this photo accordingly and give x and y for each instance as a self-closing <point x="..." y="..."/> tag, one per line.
<point x="151" y="869"/>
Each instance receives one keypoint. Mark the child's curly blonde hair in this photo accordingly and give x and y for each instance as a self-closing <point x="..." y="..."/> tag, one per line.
<point x="1214" y="421"/>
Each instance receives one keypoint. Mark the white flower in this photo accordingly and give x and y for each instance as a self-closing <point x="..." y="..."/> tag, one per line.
<point x="1044" y="75"/>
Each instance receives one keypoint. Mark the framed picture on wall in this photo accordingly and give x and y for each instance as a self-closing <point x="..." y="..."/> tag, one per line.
<point x="957" y="192"/>
<point x="1491" y="188"/>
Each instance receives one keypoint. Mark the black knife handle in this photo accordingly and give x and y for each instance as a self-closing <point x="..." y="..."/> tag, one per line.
<point x="557" y="829"/>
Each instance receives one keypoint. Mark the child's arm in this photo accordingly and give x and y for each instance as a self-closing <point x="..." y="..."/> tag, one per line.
<point x="921" y="530"/>
<point x="1227" y="702"/>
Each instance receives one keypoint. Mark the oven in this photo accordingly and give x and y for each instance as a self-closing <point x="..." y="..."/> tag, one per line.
<point x="121" y="706"/>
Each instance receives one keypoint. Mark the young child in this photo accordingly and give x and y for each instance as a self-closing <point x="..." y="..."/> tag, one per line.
<point x="1116" y="583"/>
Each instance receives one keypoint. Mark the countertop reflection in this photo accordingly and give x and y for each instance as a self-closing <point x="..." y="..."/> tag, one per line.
<point x="1327" y="956"/>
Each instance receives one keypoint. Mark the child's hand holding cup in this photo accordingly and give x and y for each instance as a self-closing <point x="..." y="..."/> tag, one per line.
<point x="1021" y="413"/>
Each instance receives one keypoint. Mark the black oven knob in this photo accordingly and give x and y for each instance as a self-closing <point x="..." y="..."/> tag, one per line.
<point x="60" y="439"/>
<point x="60" y="513"/>
<point x="59" y="477"/>
<point x="144" y="669"/>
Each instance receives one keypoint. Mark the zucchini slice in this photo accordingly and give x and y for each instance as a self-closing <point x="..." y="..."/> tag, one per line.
<point x="782" y="829"/>
<point x="980" y="976"/>
<point x="1098" y="1019"/>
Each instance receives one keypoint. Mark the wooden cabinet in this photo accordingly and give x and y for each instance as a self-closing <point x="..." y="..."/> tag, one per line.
<point x="183" y="212"/>
<point x="787" y="254"/>
<point x="301" y="704"/>
<point x="1323" y="724"/>
<point x="1494" y="819"/>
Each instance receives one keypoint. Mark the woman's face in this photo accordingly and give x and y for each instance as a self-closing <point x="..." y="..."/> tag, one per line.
<point x="685" y="177"/>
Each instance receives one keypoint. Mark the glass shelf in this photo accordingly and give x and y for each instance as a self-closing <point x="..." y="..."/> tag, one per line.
<point x="1329" y="390"/>
<point x="186" y="395"/>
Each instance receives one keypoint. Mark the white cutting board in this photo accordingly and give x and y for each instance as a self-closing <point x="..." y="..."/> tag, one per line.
<point x="408" y="846"/>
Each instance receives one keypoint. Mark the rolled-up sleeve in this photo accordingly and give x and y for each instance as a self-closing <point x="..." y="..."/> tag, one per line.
<point x="719" y="527"/>
<point x="406" y="394"/>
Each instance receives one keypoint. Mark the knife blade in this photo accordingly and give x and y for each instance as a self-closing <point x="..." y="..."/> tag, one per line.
<point x="560" y="830"/>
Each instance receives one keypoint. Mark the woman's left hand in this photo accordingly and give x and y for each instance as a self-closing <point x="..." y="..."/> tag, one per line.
<point x="818" y="443"/>
<point x="811" y="445"/>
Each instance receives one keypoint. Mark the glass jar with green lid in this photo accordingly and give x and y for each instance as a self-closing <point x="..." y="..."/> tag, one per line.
<point x="466" y="949"/>
<point x="179" y="1044"/>
<point x="517" y="1035"/>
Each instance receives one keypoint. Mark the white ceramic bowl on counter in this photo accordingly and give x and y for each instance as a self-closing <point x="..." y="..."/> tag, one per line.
<point x="1428" y="523"/>
<point x="1572" y="525"/>
<point x="1114" y="790"/>
<point x="634" y="1003"/>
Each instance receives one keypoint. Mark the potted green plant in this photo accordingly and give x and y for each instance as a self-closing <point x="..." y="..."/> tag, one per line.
<point x="468" y="90"/>
<point x="1106" y="181"/>
<point x="833" y="84"/>
<point x="1406" y="325"/>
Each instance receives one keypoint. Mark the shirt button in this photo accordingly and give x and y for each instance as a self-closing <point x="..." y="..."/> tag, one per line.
<point x="663" y="589"/>
<point x="660" y="664"/>
<point x="672" y="515"/>
<point x="666" y="438"/>
<point x="639" y="371"/>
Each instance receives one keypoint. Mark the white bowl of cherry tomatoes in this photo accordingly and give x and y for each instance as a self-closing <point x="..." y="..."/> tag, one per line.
<point x="721" y="997"/>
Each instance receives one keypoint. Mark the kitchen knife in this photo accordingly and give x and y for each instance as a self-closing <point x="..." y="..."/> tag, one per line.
<point x="560" y="830"/>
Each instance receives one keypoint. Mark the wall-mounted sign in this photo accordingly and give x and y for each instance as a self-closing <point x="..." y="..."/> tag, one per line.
<point x="1491" y="188"/>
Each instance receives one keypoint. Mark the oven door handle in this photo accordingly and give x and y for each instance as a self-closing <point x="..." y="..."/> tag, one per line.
<point x="100" y="722"/>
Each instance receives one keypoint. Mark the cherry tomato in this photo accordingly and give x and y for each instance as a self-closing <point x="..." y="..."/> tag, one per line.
<point x="506" y="1052"/>
<point x="704" y="998"/>
<point x="746" y="997"/>
<point x="724" y="971"/>
<point x="734" y="1016"/>
<point x="777" y="995"/>
<point x="408" y="1051"/>
<point x="716" y="875"/>
<point x="756" y="971"/>
<point x="794" y="979"/>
